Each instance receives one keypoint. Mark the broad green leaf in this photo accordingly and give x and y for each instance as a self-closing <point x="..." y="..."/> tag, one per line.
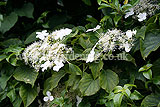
<point x="108" y="80"/>
<point x="11" y="42"/>
<point x="118" y="99"/>
<point x="156" y="67"/>
<point x="91" y="19"/>
<point x="3" y="95"/>
<point x="17" y="102"/>
<point x="12" y="95"/>
<point x="25" y="74"/>
<point x="85" y="43"/>
<point x="73" y="81"/>
<point x="6" y="76"/>
<point x="52" y="81"/>
<point x="88" y="86"/>
<point x="30" y="38"/>
<point x="26" y="10"/>
<point x="150" y="43"/>
<point x="28" y="94"/>
<point x="75" y="69"/>
<point x="8" y="22"/>
<point x="148" y="74"/>
<point x="145" y="67"/>
<point x="136" y="95"/>
<point x="156" y="80"/>
<point x="2" y="57"/>
<point x="150" y="101"/>
<point x="96" y="68"/>
<point x="141" y="32"/>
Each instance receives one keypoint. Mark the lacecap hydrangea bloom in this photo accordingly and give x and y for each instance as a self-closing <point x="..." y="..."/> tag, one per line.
<point x="143" y="9"/>
<point x="48" y="52"/>
<point x="113" y="40"/>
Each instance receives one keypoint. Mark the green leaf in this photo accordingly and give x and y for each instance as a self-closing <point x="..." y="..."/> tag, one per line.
<point x="28" y="94"/>
<point x="6" y="76"/>
<point x="156" y="67"/>
<point x="73" y="81"/>
<point x="75" y="69"/>
<point x="88" y="86"/>
<point x="96" y="68"/>
<point x="87" y="2"/>
<point x="11" y="42"/>
<point x="141" y="32"/>
<point x="85" y="43"/>
<point x="30" y="38"/>
<point x="150" y="101"/>
<point x="117" y="19"/>
<point x="108" y="80"/>
<point x="12" y="95"/>
<point x="8" y="22"/>
<point x="17" y="102"/>
<point x="150" y="43"/>
<point x="26" y="10"/>
<point x="103" y="5"/>
<point x="148" y="74"/>
<point x="136" y="95"/>
<point x="52" y="82"/>
<point x="99" y="1"/>
<point x="2" y="57"/>
<point x="25" y="74"/>
<point x="118" y="99"/>
<point x="156" y="80"/>
<point x="145" y="68"/>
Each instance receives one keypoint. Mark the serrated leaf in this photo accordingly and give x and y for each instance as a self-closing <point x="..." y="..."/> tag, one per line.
<point x="150" y="101"/>
<point x="108" y="80"/>
<point x="8" y="22"/>
<point x="96" y="68"/>
<point x="75" y="69"/>
<point x="28" y="94"/>
<point x="150" y="43"/>
<point x="25" y="74"/>
<point x="52" y="82"/>
<point x="88" y="86"/>
<point x="26" y="10"/>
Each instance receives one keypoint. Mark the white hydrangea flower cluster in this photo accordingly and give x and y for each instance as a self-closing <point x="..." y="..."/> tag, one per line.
<point x="143" y="9"/>
<point x="48" y="52"/>
<point x="113" y="40"/>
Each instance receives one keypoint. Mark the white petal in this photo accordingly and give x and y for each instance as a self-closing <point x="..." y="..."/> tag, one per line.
<point x="48" y="93"/>
<point x="45" y="99"/>
<point x="51" y="98"/>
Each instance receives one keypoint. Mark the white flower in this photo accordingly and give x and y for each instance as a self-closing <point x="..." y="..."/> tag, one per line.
<point x="90" y="57"/>
<point x="48" y="97"/>
<point x="127" y="47"/>
<point x="58" y="64"/>
<point x="42" y="35"/>
<point x="94" y="29"/>
<point x="46" y="65"/>
<point x="142" y="16"/>
<point x="59" y="34"/>
<point x="131" y="12"/>
<point x="79" y="99"/>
